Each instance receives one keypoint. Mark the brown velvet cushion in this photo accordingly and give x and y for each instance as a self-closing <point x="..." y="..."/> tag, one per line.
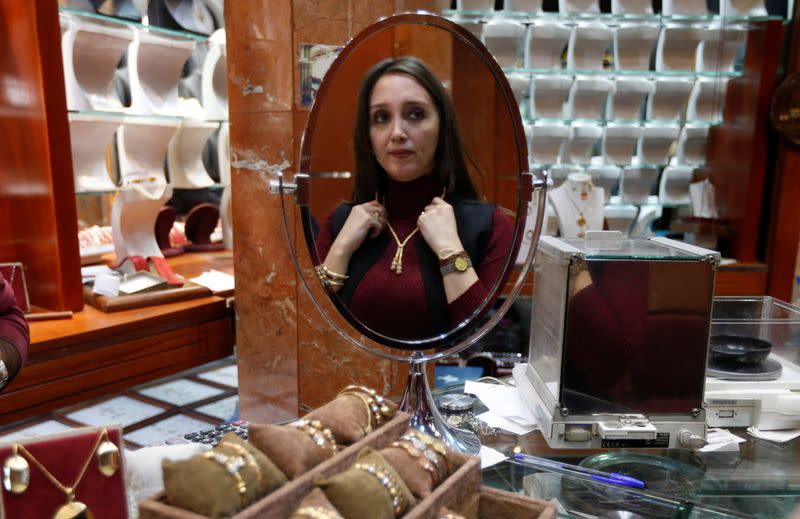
<point x="357" y="494"/>
<point x="315" y="500"/>
<point x="346" y="415"/>
<point x="417" y="479"/>
<point x="291" y="449"/>
<point x="272" y="478"/>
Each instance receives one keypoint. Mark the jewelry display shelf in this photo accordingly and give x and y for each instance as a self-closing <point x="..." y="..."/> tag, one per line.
<point x="607" y="18"/>
<point x="134" y="25"/>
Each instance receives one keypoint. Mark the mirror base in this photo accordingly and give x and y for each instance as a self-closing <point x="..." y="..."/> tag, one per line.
<point x="419" y="403"/>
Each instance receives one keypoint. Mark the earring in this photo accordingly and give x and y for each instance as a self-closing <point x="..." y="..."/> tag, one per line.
<point x="107" y="456"/>
<point x="16" y="473"/>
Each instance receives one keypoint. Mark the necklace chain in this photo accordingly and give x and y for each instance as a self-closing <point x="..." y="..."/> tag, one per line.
<point x="581" y="221"/>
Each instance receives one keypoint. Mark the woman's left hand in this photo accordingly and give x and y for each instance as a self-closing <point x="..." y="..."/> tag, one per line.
<point x="437" y="223"/>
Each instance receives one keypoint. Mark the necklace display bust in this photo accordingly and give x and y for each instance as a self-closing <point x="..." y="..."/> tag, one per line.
<point x="578" y="205"/>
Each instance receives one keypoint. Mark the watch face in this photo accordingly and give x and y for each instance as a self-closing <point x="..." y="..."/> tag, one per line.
<point x="462" y="264"/>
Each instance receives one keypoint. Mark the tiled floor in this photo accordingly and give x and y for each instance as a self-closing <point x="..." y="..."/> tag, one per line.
<point x="150" y="413"/>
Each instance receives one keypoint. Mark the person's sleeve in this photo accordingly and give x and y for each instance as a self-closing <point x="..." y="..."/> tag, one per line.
<point x="14" y="330"/>
<point x="488" y="271"/>
<point x="324" y="238"/>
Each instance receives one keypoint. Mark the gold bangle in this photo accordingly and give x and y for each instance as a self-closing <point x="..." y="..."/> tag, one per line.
<point x="388" y="482"/>
<point x="249" y="459"/>
<point x="379" y="411"/>
<point x="318" y="512"/>
<point x="232" y="465"/>
<point x="422" y="460"/>
<point x="330" y="277"/>
<point x="320" y="434"/>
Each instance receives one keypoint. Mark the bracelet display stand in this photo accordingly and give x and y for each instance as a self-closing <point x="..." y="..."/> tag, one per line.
<point x="656" y="142"/>
<point x="633" y="45"/>
<point x="155" y="62"/>
<point x="545" y="42"/>
<point x="91" y="50"/>
<point x="684" y="7"/>
<point x="548" y="95"/>
<point x="164" y="223"/>
<point x="90" y="135"/>
<point x="504" y="38"/>
<point x="142" y="144"/>
<point x="677" y="47"/>
<point x="200" y="224"/>
<point x="214" y="83"/>
<point x="560" y="172"/>
<point x="546" y="141"/>
<point x="692" y="145"/>
<point x="133" y="218"/>
<point x="673" y="189"/>
<point x="520" y="86"/>
<point x="707" y="99"/>
<point x="578" y="205"/>
<point x="631" y="7"/>
<point x="224" y="153"/>
<point x="475" y="5"/>
<point x="626" y="102"/>
<point x="669" y="98"/>
<point x="742" y="8"/>
<point x="619" y="142"/>
<point x="226" y="217"/>
<point x="184" y="155"/>
<point x="636" y="183"/>
<point x="217" y="8"/>
<point x="719" y="48"/>
<point x="588" y="44"/>
<point x="587" y="97"/>
<point x="578" y="6"/>
<point x="643" y="225"/>
<point x="189" y="15"/>
<point x="526" y="6"/>
<point x="620" y="218"/>
<point x="580" y="145"/>
<point x="605" y="176"/>
<point x="470" y="23"/>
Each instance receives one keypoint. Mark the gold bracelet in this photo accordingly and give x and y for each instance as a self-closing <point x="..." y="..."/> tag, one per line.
<point x="320" y="434"/>
<point x="249" y="459"/>
<point x="388" y="482"/>
<point x="422" y="460"/>
<point x="330" y="277"/>
<point x="433" y="449"/>
<point x="318" y="512"/>
<point x="379" y="411"/>
<point x="232" y="465"/>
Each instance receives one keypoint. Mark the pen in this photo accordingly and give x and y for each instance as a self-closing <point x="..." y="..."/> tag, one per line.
<point x="614" y="478"/>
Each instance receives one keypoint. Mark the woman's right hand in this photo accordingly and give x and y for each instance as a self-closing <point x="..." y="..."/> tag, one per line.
<point x="366" y="219"/>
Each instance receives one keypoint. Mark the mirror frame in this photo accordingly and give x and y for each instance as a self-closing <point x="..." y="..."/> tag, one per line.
<point x="443" y="340"/>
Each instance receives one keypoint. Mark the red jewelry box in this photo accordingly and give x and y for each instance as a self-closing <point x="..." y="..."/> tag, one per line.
<point x="14" y="274"/>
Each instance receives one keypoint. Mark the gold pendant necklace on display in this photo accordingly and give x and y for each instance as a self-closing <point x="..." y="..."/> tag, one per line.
<point x="16" y="474"/>
<point x="581" y="221"/>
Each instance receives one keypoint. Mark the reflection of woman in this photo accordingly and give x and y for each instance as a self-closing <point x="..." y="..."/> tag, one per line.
<point x="414" y="252"/>
<point x="14" y="335"/>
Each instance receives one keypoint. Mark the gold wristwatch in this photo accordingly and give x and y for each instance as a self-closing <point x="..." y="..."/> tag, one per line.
<point x="453" y="261"/>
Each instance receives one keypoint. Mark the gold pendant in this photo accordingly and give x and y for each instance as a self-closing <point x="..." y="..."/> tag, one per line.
<point x="16" y="474"/>
<point x="581" y="221"/>
<point x="74" y="510"/>
<point x="107" y="458"/>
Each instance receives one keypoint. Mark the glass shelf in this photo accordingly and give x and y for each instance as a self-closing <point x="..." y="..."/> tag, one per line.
<point x="183" y="35"/>
<point x="133" y="117"/>
<point x="608" y="18"/>
<point x="610" y="73"/>
<point x="653" y="123"/>
<point x="103" y="192"/>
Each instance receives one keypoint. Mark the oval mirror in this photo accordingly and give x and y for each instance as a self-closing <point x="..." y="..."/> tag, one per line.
<point x="398" y="196"/>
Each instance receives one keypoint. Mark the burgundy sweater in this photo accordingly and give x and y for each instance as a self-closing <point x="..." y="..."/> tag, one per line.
<point x="396" y="305"/>
<point x="13" y="326"/>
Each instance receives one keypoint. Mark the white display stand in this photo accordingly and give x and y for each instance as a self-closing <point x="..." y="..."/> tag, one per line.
<point x="588" y="44"/>
<point x="673" y="189"/>
<point x="707" y="99"/>
<point x="633" y="45"/>
<point x="545" y="41"/>
<point x="155" y="62"/>
<point x="546" y="141"/>
<point x="677" y="47"/>
<point x="185" y="155"/>
<point x="578" y="205"/>
<point x="90" y="135"/>
<point x="619" y="142"/>
<point x="470" y="23"/>
<point x="636" y="183"/>
<point x="656" y="142"/>
<point x="133" y="217"/>
<point x="669" y="98"/>
<point x="520" y="85"/>
<point x="214" y="82"/>
<point x="548" y="95"/>
<point x="626" y="101"/>
<point x="217" y="8"/>
<point x="692" y="145"/>
<point x="587" y="97"/>
<point x="189" y="15"/>
<point x="620" y="218"/>
<point x="719" y="48"/>
<point x="631" y="7"/>
<point x="560" y="172"/>
<point x="91" y="50"/>
<point x="604" y="175"/>
<point x="226" y="218"/>
<point x="142" y="145"/>
<point x="224" y="153"/>
<point x="643" y="225"/>
<point x="526" y="6"/>
<point x="578" y="6"/>
<point x="475" y="5"/>
<point x="504" y="37"/>
<point x="684" y="7"/>
<point x="550" y="225"/>
<point x="742" y="8"/>
<point x="579" y="146"/>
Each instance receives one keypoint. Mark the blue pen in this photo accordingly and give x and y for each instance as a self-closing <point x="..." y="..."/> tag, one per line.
<point x="613" y="478"/>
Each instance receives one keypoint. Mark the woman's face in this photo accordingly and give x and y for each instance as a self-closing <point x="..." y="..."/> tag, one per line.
<point x="403" y="127"/>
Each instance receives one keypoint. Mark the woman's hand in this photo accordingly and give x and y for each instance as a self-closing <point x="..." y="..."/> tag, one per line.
<point x="364" y="220"/>
<point x="437" y="223"/>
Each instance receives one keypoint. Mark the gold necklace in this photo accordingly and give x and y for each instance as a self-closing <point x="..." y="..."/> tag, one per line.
<point x="581" y="221"/>
<point x="18" y="475"/>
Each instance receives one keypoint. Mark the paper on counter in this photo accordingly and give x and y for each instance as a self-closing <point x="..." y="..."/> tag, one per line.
<point x="215" y="280"/>
<point x="493" y="419"/>
<point x="774" y="436"/>
<point x="503" y="400"/>
<point x="490" y="456"/>
<point x="721" y="440"/>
